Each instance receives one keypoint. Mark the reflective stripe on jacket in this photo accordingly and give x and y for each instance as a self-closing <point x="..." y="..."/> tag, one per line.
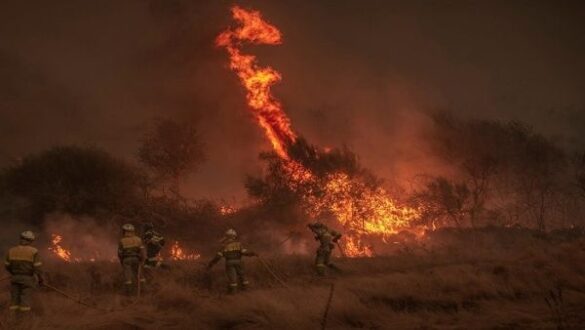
<point x="23" y="260"/>
<point x="130" y="246"/>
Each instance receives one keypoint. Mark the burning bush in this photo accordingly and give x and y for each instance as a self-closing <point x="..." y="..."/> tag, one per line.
<point x="320" y="182"/>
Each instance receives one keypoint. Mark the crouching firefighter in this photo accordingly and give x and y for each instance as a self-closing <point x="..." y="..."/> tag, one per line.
<point x="327" y="239"/>
<point x="232" y="251"/>
<point x="154" y="243"/>
<point x="24" y="266"/>
<point x="131" y="253"/>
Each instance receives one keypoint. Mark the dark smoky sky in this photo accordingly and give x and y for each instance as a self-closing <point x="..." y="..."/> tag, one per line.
<point x="360" y="73"/>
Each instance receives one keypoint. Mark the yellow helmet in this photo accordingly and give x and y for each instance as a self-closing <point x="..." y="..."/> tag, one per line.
<point x="231" y="233"/>
<point x="128" y="227"/>
<point x="27" y="235"/>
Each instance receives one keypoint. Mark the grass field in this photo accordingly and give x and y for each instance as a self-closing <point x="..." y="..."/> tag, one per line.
<point x="498" y="279"/>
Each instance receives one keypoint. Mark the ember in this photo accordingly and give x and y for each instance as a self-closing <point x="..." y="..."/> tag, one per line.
<point x="58" y="250"/>
<point x="178" y="253"/>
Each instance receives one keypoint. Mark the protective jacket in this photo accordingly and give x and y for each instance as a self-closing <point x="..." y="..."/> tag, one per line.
<point x="232" y="251"/>
<point x="327" y="239"/>
<point x="23" y="263"/>
<point x="23" y="260"/>
<point x="154" y="242"/>
<point x="131" y="246"/>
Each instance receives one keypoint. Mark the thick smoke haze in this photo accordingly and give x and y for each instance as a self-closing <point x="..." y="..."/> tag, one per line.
<point x="358" y="73"/>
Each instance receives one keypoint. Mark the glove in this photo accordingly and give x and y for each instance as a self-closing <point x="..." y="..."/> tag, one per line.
<point x="41" y="281"/>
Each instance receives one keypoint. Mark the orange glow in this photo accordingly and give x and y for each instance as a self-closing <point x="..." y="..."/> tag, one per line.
<point x="363" y="211"/>
<point x="58" y="250"/>
<point x="227" y="210"/>
<point x="65" y="254"/>
<point x="348" y="200"/>
<point x="256" y="80"/>
<point x="354" y="247"/>
<point x="179" y="253"/>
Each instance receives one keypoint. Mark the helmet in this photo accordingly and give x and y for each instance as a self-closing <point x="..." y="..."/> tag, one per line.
<point x="148" y="226"/>
<point x="27" y="235"/>
<point x="231" y="233"/>
<point x="128" y="227"/>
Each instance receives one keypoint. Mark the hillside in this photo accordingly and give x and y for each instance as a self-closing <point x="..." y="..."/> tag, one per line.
<point x="457" y="280"/>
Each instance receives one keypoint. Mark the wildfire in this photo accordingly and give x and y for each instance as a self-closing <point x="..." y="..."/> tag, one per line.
<point x="355" y="248"/>
<point x="58" y="250"/>
<point x="256" y="80"/>
<point x="226" y="210"/>
<point x="360" y="209"/>
<point x="178" y="253"/>
<point x="66" y="255"/>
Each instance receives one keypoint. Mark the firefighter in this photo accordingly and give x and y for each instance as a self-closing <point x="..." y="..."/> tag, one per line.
<point x="232" y="251"/>
<point x="24" y="265"/>
<point x="132" y="254"/>
<point x="327" y="239"/>
<point x="154" y="242"/>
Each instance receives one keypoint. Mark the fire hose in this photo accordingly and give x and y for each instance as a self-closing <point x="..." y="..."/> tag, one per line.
<point x="285" y="240"/>
<point x="327" y="307"/>
<point x="72" y="298"/>
<point x="272" y="273"/>
<point x="139" y="280"/>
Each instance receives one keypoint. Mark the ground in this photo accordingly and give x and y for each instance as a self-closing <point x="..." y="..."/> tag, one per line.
<point x="456" y="280"/>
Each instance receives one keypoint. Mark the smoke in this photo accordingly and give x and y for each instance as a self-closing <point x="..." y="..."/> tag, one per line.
<point x="87" y="238"/>
<point x="349" y="76"/>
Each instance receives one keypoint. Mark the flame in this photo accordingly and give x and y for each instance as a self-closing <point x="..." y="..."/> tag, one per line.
<point x="354" y="247"/>
<point x="58" y="250"/>
<point x="226" y="210"/>
<point x="66" y="255"/>
<point x="178" y="253"/>
<point x="256" y="80"/>
<point x="359" y="209"/>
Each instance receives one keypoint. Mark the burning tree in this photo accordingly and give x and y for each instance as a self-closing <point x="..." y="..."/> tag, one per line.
<point x="322" y="182"/>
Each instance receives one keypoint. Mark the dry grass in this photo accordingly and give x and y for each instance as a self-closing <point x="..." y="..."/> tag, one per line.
<point x="457" y="281"/>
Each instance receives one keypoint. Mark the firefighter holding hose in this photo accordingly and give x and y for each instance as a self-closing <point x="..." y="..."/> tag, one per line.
<point x="154" y="242"/>
<point x="131" y="253"/>
<point x="327" y="239"/>
<point x="24" y="266"/>
<point x="232" y="251"/>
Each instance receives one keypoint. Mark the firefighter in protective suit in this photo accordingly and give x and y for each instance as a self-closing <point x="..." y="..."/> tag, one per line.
<point x="232" y="251"/>
<point x="132" y="254"/>
<point x="327" y="239"/>
<point x="24" y="265"/>
<point x="154" y="242"/>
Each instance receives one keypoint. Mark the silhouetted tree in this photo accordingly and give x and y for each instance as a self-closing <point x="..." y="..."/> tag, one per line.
<point x="478" y="149"/>
<point x="76" y="180"/>
<point x="443" y="202"/>
<point x="171" y="150"/>
<point x="539" y="170"/>
<point x="507" y="164"/>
